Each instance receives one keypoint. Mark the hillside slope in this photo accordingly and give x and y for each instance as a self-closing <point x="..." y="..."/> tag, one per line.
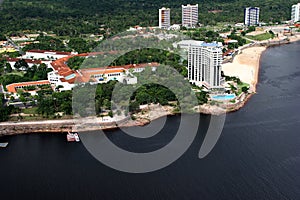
<point x="77" y="16"/>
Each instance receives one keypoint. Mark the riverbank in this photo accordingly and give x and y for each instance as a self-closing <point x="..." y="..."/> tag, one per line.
<point x="245" y="65"/>
<point x="148" y="114"/>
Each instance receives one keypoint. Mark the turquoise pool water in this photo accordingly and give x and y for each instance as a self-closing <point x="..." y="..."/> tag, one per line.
<point x="225" y="97"/>
<point x="70" y="76"/>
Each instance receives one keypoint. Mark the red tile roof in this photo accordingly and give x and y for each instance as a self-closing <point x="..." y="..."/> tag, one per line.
<point x="84" y="75"/>
<point x="63" y="69"/>
<point x="49" y="51"/>
<point x="26" y="60"/>
<point x="134" y="66"/>
<point x="12" y="87"/>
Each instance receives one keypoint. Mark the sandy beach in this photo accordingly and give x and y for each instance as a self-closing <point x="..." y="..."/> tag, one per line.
<point x="246" y="66"/>
<point x="295" y="38"/>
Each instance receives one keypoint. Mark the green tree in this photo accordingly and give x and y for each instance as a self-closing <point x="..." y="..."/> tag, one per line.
<point x="245" y="89"/>
<point x="80" y="45"/>
<point x="8" y="68"/>
<point x="21" y="65"/>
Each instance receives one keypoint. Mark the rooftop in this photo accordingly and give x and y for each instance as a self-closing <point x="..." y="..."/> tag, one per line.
<point x="198" y="43"/>
<point x="49" y="52"/>
<point x="26" y="60"/>
<point x="84" y="75"/>
<point x="12" y="87"/>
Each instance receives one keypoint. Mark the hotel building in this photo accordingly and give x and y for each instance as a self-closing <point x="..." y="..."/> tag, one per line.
<point x="164" y="18"/>
<point x="65" y="78"/>
<point x="46" y="55"/>
<point x="296" y="13"/>
<point x="251" y="16"/>
<point x="189" y="15"/>
<point x="204" y="64"/>
<point x="13" y="88"/>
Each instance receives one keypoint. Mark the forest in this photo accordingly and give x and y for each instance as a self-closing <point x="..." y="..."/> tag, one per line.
<point x="75" y="17"/>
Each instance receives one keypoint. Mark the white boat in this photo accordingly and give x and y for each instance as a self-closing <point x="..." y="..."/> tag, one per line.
<point x="76" y="137"/>
<point x="3" y="145"/>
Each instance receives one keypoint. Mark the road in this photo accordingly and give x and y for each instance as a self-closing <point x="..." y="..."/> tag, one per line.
<point x="14" y="45"/>
<point x="1" y="89"/>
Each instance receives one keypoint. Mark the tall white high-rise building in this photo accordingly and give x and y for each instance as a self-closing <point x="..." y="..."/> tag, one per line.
<point x="189" y="15"/>
<point x="251" y="16"/>
<point x="205" y="63"/>
<point x="296" y="12"/>
<point x="164" y="18"/>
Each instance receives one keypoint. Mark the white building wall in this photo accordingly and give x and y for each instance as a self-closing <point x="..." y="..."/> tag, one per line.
<point x="252" y="16"/>
<point x="123" y="77"/>
<point x="54" y="79"/>
<point x="43" y="56"/>
<point x="295" y="15"/>
<point x="204" y="64"/>
<point x="164" y="18"/>
<point x="189" y="15"/>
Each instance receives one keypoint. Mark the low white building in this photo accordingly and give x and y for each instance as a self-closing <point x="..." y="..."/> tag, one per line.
<point x="175" y="27"/>
<point x="64" y="78"/>
<point x="46" y="54"/>
<point x="104" y="75"/>
<point x="185" y="44"/>
<point x="62" y="83"/>
<point x="30" y="62"/>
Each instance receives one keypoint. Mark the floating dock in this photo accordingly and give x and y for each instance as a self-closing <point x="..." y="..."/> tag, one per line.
<point x="3" y="145"/>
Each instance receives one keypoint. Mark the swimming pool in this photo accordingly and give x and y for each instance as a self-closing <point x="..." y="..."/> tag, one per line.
<point x="225" y="97"/>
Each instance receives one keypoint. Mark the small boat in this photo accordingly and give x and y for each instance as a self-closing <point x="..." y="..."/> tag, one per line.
<point x="70" y="137"/>
<point x="3" y="145"/>
<point x="73" y="137"/>
<point x="76" y="137"/>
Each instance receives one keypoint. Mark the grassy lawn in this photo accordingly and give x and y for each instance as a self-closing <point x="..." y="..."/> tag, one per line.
<point x="248" y="41"/>
<point x="16" y="73"/>
<point x="219" y="26"/>
<point x="38" y="118"/>
<point x="261" y="37"/>
<point x="30" y="111"/>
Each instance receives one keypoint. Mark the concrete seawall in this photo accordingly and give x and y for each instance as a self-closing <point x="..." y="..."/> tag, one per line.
<point x="15" y="129"/>
<point x="63" y="126"/>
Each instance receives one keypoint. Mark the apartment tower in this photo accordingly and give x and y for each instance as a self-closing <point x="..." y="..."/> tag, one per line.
<point x="205" y="63"/>
<point x="189" y="15"/>
<point x="251" y="16"/>
<point x="296" y="13"/>
<point x="164" y="18"/>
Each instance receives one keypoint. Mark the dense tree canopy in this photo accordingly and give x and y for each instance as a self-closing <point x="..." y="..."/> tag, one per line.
<point x="47" y="43"/>
<point x="74" y="17"/>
